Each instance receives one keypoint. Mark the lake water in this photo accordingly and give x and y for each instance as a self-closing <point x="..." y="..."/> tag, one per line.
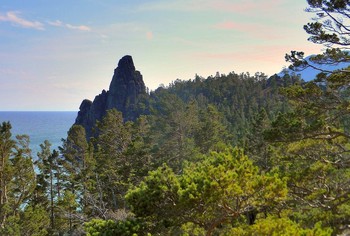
<point x="40" y="126"/>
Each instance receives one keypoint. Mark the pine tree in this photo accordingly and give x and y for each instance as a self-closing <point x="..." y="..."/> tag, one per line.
<point x="256" y="146"/>
<point x="112" y="165"/>
<point x="48" y="180"/>
<point x="17" y="179"/>
<point x="6" y="148"/>
<point x="77" y="165"/>
<point x="314" y="136"/>
<point x="23" y="180"/>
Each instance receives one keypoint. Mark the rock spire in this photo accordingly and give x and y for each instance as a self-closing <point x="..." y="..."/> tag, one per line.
<point x="126" y="91"/>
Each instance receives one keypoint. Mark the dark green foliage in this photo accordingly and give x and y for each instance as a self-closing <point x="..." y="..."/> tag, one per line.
<point x="17" y="181"/>
<point x="34" y="221"/>
<point x="111" y="163"/>
<point x="97" y="227"/>
<point x="220" y="189"/>
<point x="313" y="138"/>
<point x="49" y="170"/>
<point x="278" y="226"/>
<point x="256" y="147"/>
<point x="236" y="97"/>
<point x="6" y="146"/>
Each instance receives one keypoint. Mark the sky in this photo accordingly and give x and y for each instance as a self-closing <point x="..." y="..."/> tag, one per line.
<point x="54" y="54"/>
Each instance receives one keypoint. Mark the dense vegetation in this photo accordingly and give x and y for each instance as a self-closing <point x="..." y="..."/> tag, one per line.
<point x="228" y="155"/>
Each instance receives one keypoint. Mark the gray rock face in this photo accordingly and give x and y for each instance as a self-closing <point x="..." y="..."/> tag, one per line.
<point x="126" y="85"/>
<point x="125" y="91"/>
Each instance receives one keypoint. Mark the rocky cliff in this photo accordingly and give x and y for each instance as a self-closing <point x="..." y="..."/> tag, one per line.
<point x="126" y="92"/>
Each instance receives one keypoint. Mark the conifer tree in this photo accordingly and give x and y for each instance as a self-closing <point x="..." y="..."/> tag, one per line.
<point x="112" y="166"/>
<point x="174" y="124"/>
<point x="315" y="134"/>
<point x="34" y="221"/>
<point x="256" y="146"/>
<point x="211" y="130"/>
<point x="6" y="148"/>
<point x="23" y="180"/>
<point x="17" y="179"/>
<point x="48" y="180"/>
<point x="67" y="219"/>
<point x="77" y="165"/>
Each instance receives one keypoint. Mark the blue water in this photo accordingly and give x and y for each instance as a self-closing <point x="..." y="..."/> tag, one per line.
<point x="40" y="126"/>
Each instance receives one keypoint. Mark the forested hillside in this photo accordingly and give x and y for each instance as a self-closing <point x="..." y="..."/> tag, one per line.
<point x="234" y="154"/>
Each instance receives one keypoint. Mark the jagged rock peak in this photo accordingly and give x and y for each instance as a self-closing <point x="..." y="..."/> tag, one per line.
<point x="126" y="85"/>
<point x="125" y="93"/>
<point x="127" y="63"/>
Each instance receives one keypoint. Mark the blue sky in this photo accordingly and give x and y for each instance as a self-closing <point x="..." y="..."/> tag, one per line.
<point x="54" y="54"/>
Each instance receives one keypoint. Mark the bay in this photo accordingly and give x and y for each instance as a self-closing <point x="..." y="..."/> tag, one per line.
<point x="40" y="126"/>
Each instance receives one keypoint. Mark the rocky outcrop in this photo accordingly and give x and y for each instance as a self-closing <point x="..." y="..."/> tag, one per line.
<point x="126" y="91"/>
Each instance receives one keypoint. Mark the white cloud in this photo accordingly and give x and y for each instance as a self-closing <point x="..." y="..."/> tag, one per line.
<point x="55" y="23"/>
<point x="58" y="23"/>
<point x="14" y="17"/>
<point x="78" y="27"/>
